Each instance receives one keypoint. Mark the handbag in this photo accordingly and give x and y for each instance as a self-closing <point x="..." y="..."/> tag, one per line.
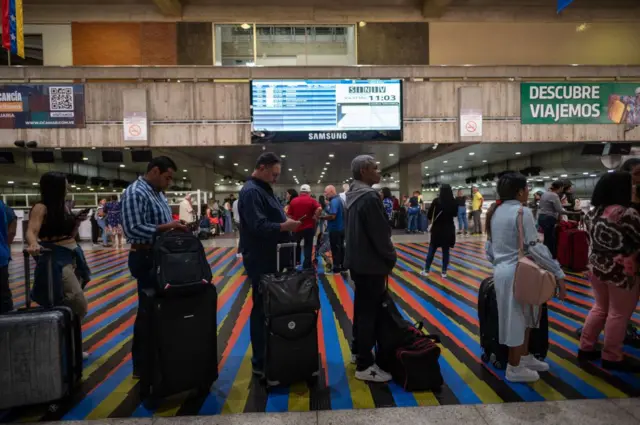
<point x="533" y="285"/>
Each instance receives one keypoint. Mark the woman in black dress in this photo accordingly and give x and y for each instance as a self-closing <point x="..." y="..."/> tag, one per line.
<point x="442" y="213"/>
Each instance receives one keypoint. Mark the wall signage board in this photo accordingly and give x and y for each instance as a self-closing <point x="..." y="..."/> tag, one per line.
<point x="135" y="126"/>
<point x="471" y="123"/>
<point x="580" y="103"/>
<point x="42" y="106"/>
<point x="326" y="110"/>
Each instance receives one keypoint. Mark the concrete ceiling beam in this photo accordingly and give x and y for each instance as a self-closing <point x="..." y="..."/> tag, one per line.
<point x="169" y="7"/>
<point x="435" y="8"/>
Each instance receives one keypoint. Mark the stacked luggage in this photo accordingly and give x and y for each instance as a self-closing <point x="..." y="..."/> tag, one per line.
<point x="178" y="321"/>
<point x="403" y="350"/>
<point x="572" y="246"/>
<point x="492" y="351"/>
<point x="291" y="305"/>
<point x="40" y="349"/>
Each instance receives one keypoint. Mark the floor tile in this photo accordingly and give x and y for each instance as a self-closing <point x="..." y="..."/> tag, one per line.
<point x="435" y="415"/>
<point x="291" y="418"/>
<point x="631" y="405"/>
<point x="577" y="412"/>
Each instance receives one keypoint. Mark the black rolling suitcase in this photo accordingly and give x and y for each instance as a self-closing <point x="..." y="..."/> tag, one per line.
<point x="40" y="349"/>
<point x="178" y="321"/>
<point x="291" y="304"/>
<point x="179" y="343"/>
<point x="492" y="351"/>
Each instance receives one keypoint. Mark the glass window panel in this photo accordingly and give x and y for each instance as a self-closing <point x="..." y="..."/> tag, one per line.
<point x="234" y="45"/>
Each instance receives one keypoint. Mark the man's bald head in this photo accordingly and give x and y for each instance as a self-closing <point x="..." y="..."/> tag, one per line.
<point x="330" y="191"/>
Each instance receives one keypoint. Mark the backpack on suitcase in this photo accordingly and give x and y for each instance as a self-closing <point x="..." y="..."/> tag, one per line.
<point x="291" y="305"/>
<point x="40" y="349"/>
<point x="180" y="262"/>
<point x="492" y="351"/>
<point x="572" y="246"/>
<point x="403" y="350"/>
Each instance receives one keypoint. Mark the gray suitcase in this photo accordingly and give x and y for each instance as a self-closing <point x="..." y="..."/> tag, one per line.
<point x="40" y="350"/>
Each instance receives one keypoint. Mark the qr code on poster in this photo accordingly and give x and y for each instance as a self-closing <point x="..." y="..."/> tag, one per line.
<point x="61" y="99"/>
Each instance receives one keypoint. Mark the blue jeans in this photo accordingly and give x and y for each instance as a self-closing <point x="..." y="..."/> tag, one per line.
<point x="103" y="225"/>
<point x="432" y="253"/>
<point x="412" y="221"/>
<point x="548" y="224"/>
<point x="463" y="220"/>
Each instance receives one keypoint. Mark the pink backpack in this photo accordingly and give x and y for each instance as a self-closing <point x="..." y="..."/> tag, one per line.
<point x="533" y="285"/>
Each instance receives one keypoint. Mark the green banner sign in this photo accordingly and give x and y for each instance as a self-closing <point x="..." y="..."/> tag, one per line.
<point x="580" y="103"/>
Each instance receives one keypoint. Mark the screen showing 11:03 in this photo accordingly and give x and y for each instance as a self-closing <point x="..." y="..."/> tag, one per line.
<point x="326" y="105"/>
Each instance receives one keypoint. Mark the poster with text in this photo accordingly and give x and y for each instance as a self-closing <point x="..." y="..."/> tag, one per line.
<point x="580" y="103"/>
<point x="42" y="106"/>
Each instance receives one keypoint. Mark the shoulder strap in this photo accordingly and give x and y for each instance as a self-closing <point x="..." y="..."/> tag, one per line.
<point x="520" y="232"/>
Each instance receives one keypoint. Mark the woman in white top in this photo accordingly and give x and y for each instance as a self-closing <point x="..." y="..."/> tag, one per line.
<point x="515" y="320"/>
<point x="186" y="210"/>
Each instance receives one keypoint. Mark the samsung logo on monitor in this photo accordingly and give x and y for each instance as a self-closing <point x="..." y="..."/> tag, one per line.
<point x="367" y="89"/>
<point x="327" y="136"/>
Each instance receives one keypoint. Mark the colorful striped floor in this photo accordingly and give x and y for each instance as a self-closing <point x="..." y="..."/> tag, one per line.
<point x="448" y="308"/>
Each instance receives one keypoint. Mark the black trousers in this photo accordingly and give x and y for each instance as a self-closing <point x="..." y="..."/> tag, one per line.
<point x="370" y="290"/>
<point x="141" y="267"/>
<point x="95" y="230"/>
<point x="306" y="235"/>
<point x="6" y="299"/>
<point x="337" y="249"/>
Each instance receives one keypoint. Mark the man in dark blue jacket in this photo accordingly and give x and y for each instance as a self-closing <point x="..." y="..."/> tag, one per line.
<point x="262" y="226"/>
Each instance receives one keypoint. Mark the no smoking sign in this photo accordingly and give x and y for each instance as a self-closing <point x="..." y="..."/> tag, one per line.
<point x="471" y="125"/>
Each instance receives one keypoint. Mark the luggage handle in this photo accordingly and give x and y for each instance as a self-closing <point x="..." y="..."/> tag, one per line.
<point x="27" y="277"/>
<point x="293" y="245"/>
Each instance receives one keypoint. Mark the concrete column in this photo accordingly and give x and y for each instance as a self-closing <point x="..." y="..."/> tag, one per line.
<point x="410" y="178"/>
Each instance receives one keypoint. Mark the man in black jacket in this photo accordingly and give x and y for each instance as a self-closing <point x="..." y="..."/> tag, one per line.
<point x="370" y="257"/>
<point x="263" y="225"/>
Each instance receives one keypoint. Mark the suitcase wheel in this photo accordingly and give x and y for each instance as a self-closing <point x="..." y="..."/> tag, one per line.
<point x="498" y="365"/>
<point x="53" y="408"/>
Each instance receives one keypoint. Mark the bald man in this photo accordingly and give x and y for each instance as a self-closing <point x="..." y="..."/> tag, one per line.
<point x="335" y="228"/>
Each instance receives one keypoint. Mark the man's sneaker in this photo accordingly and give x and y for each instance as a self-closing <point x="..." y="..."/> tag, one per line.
<point x="424" y="273"/>
<point x="85" y="355"/>
<point x="530" y="362"/>
<point x="444" y="275"/>
<point x="373" y="374"/>
<point x="521" y="374"/>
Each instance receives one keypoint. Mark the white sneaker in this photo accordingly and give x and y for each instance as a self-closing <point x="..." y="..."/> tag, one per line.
<point x="424" y="273"/>
<point x="444" y="275"/>
<point x="521" y="374"/>
<point x="530" y="362"/>
<point x="373" y="374"/>
<point x="85" y="355"/>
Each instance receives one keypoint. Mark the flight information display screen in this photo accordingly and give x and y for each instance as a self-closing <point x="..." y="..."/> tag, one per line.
<point x="326" y="110"/>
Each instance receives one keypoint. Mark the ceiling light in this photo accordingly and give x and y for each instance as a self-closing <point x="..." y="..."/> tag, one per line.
<point x="77" y="188"/>
<point x="472" y="153"/>
<point x="221" y="157"/>
<point x="217" y="184"/>
<point x="283" y="156"/>
<point x="564" y="175"/>
<point x="85" y="159"/>
<point x="93" y="148"/>
<point x="362" y="24"/>
<point x="377" y="162"/>
<point x="91" y="189"/>
<point x="245" y="26"/>
<point x="10" y="182"/>
<point x="427" y="174"/>
<point x="459" y="166"/>
<point x="585" y="174"/>
<point x="73" y="185"/>
<point x="426" y="168"/>
<point x="442" y="171"/>
<point x="235" y="164"/>
<point x="246" y="170"/>
<point x="331" y="155"/>
<point x="484" y="160"/>
<point x="444" y="162"/>
<point x="611" y="171"/>
<point x="593" y="175"/>
<point x="34" y="184"/>
<point x="184" y="178"/>
<point x="121" y="165"/>
<point x="391" y="154"/>
<point x="518" y="153"/>
<point x="102" y="188"/>
<point x="290" y="169"/>
<point x="325" y="169"/>
<point x="327" y="163"/>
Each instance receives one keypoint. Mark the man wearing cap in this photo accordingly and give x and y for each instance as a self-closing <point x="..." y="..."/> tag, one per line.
<point x="306" y="210"/>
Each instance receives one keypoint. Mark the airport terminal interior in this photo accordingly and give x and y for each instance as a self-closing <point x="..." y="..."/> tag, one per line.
<point x="440" y="93"/>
